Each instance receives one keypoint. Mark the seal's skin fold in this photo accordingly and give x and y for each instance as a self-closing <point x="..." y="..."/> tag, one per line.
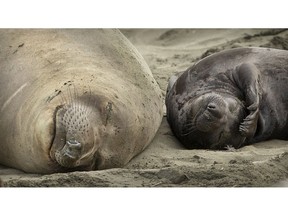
<point x="232" y="98"/>
<point x="43" y="70"/>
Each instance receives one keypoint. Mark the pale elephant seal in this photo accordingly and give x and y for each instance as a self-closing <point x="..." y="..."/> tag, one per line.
<point x="230" y="99"/>
<point x="74" y="100"/>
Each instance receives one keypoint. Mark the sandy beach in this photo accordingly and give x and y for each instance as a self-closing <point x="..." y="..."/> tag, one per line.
<point x="166" y="163"/>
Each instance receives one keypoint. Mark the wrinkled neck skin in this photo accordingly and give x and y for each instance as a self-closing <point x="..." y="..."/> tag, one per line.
<point x="76" y="138"/>
<point x="211" y="121"/>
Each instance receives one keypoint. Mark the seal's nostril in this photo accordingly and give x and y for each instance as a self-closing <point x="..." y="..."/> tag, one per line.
<point x="215" y="110"/>
<point x="211" y="106"/>
<point x="74" y="144"/>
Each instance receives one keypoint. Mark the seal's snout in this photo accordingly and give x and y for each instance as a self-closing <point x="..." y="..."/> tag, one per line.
<point x="74" y="137"/>
<point x="210" y="112"/>
<point x="215" y="110"/>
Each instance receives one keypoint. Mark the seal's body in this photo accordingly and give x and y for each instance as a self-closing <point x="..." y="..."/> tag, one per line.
<point x="74" y="100"/>
<point x="231" y="98"/>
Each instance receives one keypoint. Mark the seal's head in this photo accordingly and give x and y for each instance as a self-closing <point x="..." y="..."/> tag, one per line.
<point x="76" y="138"/>
<point x="212" y="121"/>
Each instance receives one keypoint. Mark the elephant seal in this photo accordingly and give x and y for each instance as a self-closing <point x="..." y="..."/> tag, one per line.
<point x="74" y="99"/>
<point x="230" y="99"/>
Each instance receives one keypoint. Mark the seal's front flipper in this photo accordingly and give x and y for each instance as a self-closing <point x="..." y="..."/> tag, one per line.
<point x="247" y="77"/>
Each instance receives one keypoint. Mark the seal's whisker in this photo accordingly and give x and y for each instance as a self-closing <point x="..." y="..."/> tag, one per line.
<point x="75" y="103"/>
<point x="73" y="97"/>
<point x="189" y="128"/>
<point x="64" y="98"/>
<point x="75" y="92"/>
<point x="70" y="96"/>
<point x="89" y="100"/>
<point x="189" y="132"/>
<point x="190" y="124"/>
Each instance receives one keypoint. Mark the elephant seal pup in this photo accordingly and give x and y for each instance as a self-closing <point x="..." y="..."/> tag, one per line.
<point x="74" y="100"/>
<point x="230" y="99"/>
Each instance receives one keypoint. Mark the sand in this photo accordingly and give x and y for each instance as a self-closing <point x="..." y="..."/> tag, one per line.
<point x="166" y="163"/>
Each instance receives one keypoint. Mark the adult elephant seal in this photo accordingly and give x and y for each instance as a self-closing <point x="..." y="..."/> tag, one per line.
<point x="74" y="100"/>
<point x="230" y="99"/>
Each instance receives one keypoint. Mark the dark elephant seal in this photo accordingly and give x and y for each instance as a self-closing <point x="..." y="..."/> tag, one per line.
<point x="74" y="100"/>
<point x="230" y="99"/>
